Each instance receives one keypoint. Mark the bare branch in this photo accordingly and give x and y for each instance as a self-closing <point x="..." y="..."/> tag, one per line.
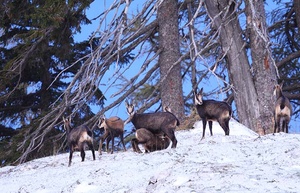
<point x="290" y="57"/>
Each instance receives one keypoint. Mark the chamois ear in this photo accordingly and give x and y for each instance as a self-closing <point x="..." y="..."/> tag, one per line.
<point x="127" y="103"/>
<point x="167" y="109"/>
<point x="195" y="90"/>
<point x="281" y="85"/>
<point x="201" y="91"/>
<point x="66" y="120"/>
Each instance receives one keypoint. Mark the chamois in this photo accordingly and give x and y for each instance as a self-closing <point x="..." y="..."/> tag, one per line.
<point x="151" y="142"/>
<point x="211" y="110"/>
<point x="159" y="122"/>
<point x="283" y="110"/>
<point x="77" y="138"/>
<point x="114" y="127"/>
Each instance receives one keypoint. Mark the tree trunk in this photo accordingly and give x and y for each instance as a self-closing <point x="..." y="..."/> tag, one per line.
<point x="262" y="63"/>
<point x="170" y="71"/>
<point x="297" y="13"/>
<point x="225" y="19"/>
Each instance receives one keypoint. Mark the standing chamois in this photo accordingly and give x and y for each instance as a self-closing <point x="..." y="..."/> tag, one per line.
<point x="77" y="138"/>
<point x="211" y="110"/>
<point x="114" y="127"/>
<point x="159" y="122"/>
<point x="283" y="110"/>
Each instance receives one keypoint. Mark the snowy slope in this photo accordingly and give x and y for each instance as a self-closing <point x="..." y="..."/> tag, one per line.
<point x="241" y="162"/>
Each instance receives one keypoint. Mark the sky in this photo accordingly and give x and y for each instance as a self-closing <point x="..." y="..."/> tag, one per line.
<point x="240" y="162"/>
<point x="96" y="8"/>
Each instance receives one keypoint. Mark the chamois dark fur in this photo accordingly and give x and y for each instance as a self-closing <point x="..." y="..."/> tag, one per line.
<point x="211" y="110"/>
<point x="77" y="138"/>
<point x="159" y="122"/>
<point x="151" y="142"/>
<point x="114" y="127"/>
<point x="283" y="110"/>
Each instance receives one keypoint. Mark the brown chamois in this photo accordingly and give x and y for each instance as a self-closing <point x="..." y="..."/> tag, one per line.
<point x="151" y="142"/>
<point x="77" y="138"/>
<point x="114" y="127"/>
<point x="283" y="110"/>
<point x="159" y="122"/>
<point x="211" y="110"/>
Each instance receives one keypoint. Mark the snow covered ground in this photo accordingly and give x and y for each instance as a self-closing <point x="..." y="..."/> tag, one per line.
<point x="241" y="162"/>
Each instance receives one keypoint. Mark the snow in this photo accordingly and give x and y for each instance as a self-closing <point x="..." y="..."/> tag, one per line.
<point x="240" y="162"/>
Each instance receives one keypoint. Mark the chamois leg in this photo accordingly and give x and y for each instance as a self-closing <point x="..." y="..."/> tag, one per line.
<point x="91" y="147"/>
<point x="204" y="127"/>
<point x="82" y="153"/>
<point x="276" y="125"/>
<point x="210" y="127"/>
<point x="171" y="135"/>
<point x="105" y="135"/>
<point x="134" y="143"/>
<point x="122" y="141"/>
<point x="285" y="125"/>
<point x="108" y="139"/>
<point x="225" y="126"/>
<point x="70" y="156"/>
<point x="113" y="143"/>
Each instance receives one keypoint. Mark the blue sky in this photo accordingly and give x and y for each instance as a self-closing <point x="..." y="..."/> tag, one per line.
<point x="96" y="8"/>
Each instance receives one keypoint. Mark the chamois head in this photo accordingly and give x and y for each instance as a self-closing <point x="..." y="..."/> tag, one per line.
<point x="67" y="124"/>
<point x="198" y="97"/>
<point x="129" y="108"/>
<point x="278" y="90"/>
<point x="101" y="122"/>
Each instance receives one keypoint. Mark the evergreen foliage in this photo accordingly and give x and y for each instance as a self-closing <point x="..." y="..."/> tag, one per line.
<point x="36" y="45"/>
<point x="45" y="74"/>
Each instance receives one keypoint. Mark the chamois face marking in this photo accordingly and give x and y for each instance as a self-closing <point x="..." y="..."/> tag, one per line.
<point x="129" y="108"/>
<point x="101" y="122"/>
<point x="211" y="110"/>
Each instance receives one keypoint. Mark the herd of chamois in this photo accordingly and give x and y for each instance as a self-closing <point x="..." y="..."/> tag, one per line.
<point x="156" y="131"/>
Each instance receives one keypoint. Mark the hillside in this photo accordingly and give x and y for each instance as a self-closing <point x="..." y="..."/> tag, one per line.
<point x="241" y="162"/>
